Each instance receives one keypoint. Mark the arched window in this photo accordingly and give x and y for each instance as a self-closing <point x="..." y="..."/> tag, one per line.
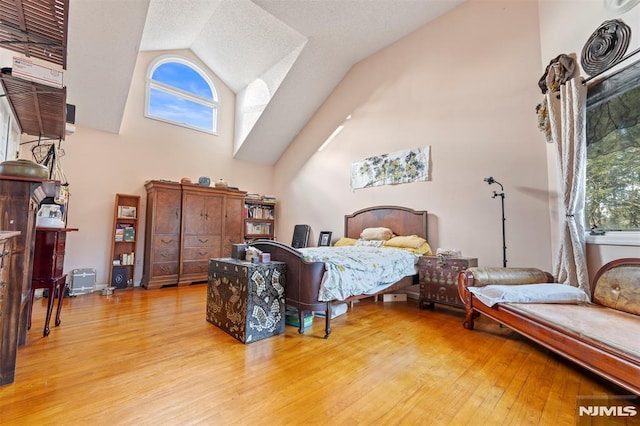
<point x="179" y="92"/>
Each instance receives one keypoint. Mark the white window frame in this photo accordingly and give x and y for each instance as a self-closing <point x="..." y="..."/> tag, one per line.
<point x="174" y="91"/>
<point x="615" y="238"/>
<point x="10" y="133"/>
<point x="612" y="237"/>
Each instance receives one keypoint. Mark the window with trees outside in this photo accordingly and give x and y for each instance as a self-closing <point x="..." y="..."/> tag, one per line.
<point x="613" y="153"/>
<point x="180" y="93"/>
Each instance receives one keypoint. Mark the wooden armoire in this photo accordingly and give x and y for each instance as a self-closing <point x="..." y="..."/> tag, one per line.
<point x="186" y="225"/>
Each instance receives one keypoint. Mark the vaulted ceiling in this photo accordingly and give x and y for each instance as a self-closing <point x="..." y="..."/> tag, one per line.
<point x="282" y="58"/>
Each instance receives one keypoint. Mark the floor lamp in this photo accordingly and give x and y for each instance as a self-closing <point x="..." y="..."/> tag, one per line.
<point x="490" y="180"/>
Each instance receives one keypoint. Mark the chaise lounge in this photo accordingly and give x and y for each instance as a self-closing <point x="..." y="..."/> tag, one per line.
<point x="601" y="335"/>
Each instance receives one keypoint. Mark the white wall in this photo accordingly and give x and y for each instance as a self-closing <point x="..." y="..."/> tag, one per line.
<point x="466" y="85"/>
<point x="565" y="27"/>
<point x="98" y="165"/>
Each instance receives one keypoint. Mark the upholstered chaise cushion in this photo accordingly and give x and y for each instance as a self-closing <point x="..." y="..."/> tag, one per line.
<point x="610" y="327"/>
<point x="493" y="294"/>
<point x="618" y="289"/>
<point x="507" y="276"/>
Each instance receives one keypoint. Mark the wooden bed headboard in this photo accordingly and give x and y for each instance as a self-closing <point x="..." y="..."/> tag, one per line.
<point x="401" y="220"/>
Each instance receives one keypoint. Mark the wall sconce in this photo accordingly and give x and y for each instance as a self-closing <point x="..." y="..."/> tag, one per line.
<point x="490" y="180"/>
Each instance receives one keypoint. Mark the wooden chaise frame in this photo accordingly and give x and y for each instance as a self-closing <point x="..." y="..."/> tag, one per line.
<point x="304" y="278"/>
<point x="615" y="366"/>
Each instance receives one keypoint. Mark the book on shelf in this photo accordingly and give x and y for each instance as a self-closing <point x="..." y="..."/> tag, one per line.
<point x="267" y="199"/>
<point x="127" y="259"/>
<point x="129" y="233"/>
<point x="258" y="228"/>
<point x="125" y="232"/>
<point x="259" y="212"/>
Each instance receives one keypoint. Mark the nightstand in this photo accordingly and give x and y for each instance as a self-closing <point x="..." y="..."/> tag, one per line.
<point x="439" y="279"/>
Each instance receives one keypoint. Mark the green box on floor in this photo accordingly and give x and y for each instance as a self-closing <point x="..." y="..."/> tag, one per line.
<point x="291" y="318"/>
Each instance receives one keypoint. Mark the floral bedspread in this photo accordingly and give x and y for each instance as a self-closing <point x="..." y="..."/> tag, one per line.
<point x="354" y="270"/>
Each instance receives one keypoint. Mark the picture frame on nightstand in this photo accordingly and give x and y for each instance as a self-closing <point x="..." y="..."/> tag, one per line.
<point x="324" y="240"/>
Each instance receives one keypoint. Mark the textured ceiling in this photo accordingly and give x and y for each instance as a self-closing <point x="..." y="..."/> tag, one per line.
<point x="282" y="58"/>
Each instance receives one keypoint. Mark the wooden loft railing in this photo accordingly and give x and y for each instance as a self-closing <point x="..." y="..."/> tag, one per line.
<point x="36" y="28"/>
<point x="39" y="109"/>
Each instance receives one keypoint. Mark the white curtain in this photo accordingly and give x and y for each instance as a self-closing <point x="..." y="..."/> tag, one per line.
<point x="567" y="111"/>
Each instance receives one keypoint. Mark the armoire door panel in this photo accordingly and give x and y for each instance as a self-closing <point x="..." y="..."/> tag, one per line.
<point x="193" y="214"/>
<point x="213" y="215"/>
<point x="169" y="221"/>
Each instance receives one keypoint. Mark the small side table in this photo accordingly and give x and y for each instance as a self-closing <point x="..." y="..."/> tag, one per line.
<point x="246" y="299"/>
<point x="439" y="279"/>
<point x="48" y="265"/>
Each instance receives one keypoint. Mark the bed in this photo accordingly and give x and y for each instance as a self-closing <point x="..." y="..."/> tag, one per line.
<point x="304" y="285"/>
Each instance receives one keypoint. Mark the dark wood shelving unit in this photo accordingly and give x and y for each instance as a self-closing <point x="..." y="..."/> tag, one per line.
<point x="124" y="240"/>
<point x="259" y="219"/>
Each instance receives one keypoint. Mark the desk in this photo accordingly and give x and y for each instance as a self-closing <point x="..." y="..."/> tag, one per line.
<point x="48" y="264"/>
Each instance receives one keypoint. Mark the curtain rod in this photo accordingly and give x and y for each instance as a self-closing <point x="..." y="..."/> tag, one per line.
<point x="586" y="80"/>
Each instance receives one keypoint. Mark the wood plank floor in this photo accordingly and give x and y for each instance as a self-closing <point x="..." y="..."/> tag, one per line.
<point x="150" y="357"/>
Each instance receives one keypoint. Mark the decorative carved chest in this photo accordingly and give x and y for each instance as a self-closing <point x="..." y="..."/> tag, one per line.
<point x="246" y="299"/>
<point x="439" y="279"/>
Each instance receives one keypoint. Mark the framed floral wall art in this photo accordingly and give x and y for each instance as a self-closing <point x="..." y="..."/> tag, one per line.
<point x="391" y="169"/>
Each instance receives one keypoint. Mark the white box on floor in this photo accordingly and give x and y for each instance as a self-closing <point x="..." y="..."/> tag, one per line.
<point x="337" y="309"/>
<point x="394" y="297"/>
<point x="83" y="281"/>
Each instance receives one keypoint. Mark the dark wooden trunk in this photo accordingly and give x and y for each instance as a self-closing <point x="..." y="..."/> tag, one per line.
<point x="439" y="279"/>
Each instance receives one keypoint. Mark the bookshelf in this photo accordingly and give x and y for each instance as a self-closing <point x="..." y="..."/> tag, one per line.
<point x="124" y="240"/>
<point x="259" y="219"/>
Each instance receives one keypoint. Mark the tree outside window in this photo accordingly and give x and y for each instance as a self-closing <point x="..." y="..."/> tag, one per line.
<point x="613" y="160"/>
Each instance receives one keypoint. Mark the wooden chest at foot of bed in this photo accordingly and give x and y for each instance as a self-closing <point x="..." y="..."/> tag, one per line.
<point x="439" y="279"/>
<point x="245" y="299"/>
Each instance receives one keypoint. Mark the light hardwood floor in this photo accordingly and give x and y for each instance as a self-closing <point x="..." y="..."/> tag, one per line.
<point x="150" y="357"/>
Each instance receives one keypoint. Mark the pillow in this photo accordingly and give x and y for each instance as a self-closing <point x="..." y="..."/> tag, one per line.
<point x="344" y="241"/>
<point x="492" y="294"/>
<point x="424" y="250"/>
<point x="369" y="243"/>
<point x="376" y="234"/>
<point x="411" y="243"/>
